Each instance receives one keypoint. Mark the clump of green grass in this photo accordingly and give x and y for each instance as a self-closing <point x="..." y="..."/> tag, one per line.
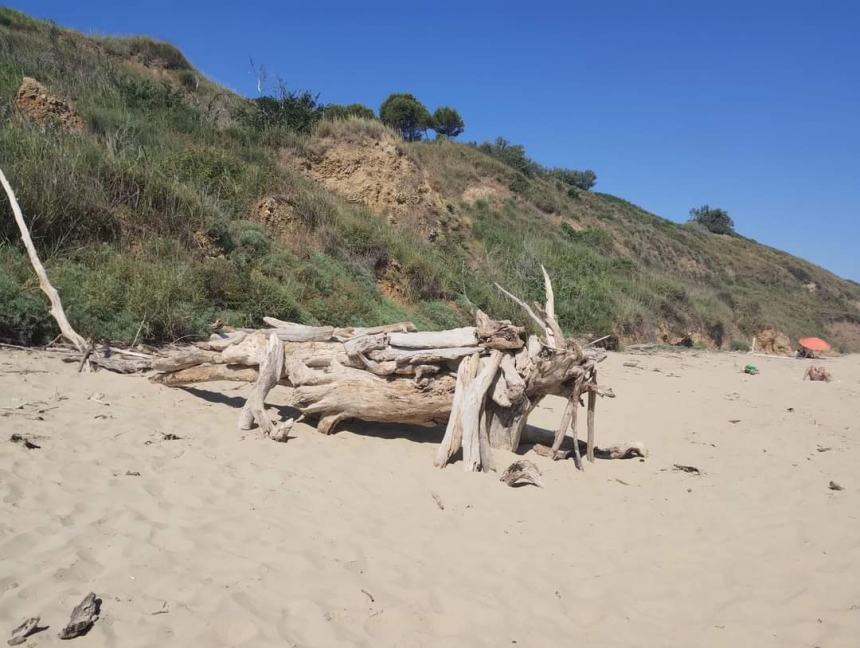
<point x="352" y="128"/>
<point x="24" y="316"/>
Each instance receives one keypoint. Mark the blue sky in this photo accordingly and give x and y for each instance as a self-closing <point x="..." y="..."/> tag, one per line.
<point x="750" y="106"/>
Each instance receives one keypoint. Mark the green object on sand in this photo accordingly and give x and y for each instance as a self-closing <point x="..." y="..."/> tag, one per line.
<point x="751" y="369"/>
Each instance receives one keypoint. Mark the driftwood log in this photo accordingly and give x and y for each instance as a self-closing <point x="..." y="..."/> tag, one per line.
<point x="482" y="381"/>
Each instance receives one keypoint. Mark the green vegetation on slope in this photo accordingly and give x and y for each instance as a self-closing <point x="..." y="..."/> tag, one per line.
<point x="119" y="212"/>
<point x="147" y="220"/>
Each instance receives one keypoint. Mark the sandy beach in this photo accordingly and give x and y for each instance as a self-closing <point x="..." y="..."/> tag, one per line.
<point x="220" y="538"/>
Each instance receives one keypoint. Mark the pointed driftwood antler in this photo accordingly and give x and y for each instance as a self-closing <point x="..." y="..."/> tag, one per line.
<point x="545" y="316"/>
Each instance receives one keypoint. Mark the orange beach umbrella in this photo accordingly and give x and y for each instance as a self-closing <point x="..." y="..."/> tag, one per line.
<point x="814" y="344"/>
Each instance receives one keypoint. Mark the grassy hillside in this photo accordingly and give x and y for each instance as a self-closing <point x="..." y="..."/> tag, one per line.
<point x="169" y="211"/>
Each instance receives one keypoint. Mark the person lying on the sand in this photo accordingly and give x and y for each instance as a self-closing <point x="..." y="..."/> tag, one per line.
<point x="817" y="373"/>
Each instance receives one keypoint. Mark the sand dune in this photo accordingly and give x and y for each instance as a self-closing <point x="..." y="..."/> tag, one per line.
<point x="225" y="539"/>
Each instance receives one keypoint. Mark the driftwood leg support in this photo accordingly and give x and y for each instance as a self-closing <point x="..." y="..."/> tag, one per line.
<point x="271" y="369"/>
<point x="592" y="403"/>
<point x="563" y="425"/>
<point x="574" y="429"/>
<point x="568" y="417"/>
<point x="471" y="413"/>
<point x="484" y="441"/>
<point x="453" y="438"/>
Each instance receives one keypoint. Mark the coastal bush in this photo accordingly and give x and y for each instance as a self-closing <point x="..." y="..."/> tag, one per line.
<point x="514" y="155"/>
<point x="447" y="122"/>
<point x="583" y="180"/>
<point x="593" y="237"/>
<point x="292" y="110"/>
<point x="405" y="114"/>
<point x="714" y="219"/>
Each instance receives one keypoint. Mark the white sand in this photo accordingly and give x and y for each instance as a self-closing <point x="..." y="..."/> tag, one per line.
<point x="245" y="542"/>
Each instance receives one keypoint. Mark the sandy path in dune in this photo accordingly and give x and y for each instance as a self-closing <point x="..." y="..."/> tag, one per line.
<point x="230" y="540"/>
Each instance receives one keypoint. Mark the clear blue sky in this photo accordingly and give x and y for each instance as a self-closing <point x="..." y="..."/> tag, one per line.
<point x="751" y="106"/>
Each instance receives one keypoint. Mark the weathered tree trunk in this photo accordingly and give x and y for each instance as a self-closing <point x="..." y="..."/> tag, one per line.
<point x="271" y="370"/>
<point x="350" y="393"/>
<point x="574" y="430"/>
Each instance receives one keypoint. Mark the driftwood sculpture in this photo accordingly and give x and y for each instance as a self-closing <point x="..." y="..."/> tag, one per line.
<point x="482" y="380"/>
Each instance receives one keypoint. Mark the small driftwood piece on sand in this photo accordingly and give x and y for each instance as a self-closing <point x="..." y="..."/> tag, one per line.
<point x="85" y="614"/>
<point x="687" y="469"/>
<point x="522" y="472"/>
<point x="817" y="374"/>
<point x="482" y="381"/>
<point x="24" y="440"/>
<point x="438" y="500"/>
<point x="546" y="451"/>
<point x="281" y="431"/>
<point x="19" y="635"/>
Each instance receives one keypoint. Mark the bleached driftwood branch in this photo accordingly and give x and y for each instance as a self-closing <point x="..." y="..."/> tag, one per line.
<point x="108" y="357"/>
<point x="57" y="311"/>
